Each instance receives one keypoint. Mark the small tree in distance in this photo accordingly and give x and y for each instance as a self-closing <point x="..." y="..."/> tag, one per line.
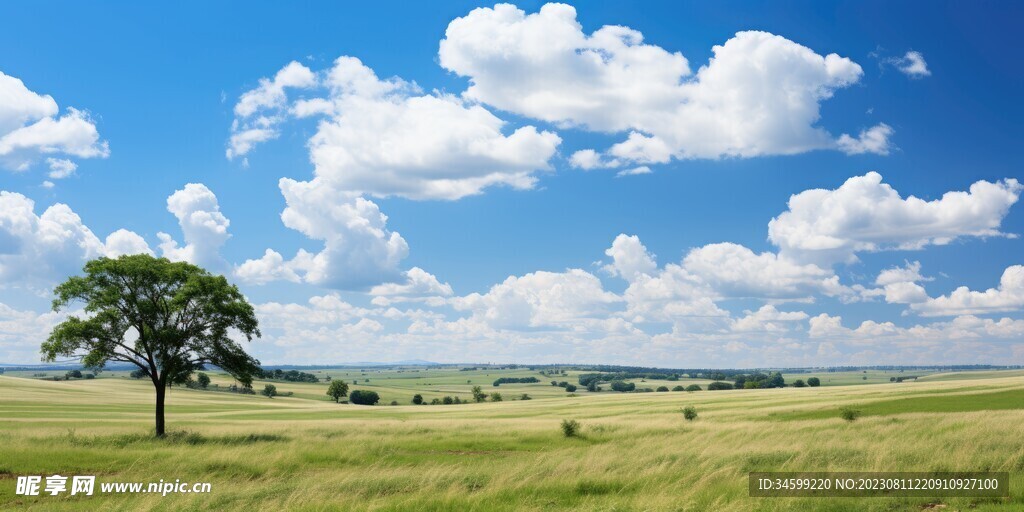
<point x="813" y="382"/>
<point x="269" y="391"/>
<point x="417" y="399"/>
<point x="337" y="389"/>
<point x="478" y="394"/>
<point x="203" y="380"/>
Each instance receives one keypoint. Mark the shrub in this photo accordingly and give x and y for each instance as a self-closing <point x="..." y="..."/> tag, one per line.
<point x="678" y="388"/>
<point x="694" y="387"/>
<point x="714" y="386"/>
<point x="203" y="380"/>
<point x="89" y="376"/>
<point x="436" y="401"/>
<point x="77" y="374"/>
<point x="137" y="374"/>
<point x="570" y="428"/>
<point x="448" y="400"/>
<point x="623" y="386"/>
<point x="525" y="397"/>
<point x="363" y="397"/>
<point x="495" y="397"/>
<point x="570" y="388"/>
<point x="849" y="414"/>
<point x="662" y="389"/>
<point x="417" y="399"/>
<point x="813" y="382"/>
<point x="799" y="384"/>
<point x="690" y="413"/>
<point x="394" y="402"/>
<point x="270" y="391"/>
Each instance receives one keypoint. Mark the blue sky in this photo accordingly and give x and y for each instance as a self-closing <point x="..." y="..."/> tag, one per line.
<point x="159" y="93"/>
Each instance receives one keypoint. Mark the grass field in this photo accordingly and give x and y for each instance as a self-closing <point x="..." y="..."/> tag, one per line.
<point x="636" y="452"/>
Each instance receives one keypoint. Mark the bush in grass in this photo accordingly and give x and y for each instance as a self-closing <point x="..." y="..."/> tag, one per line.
<point x="417" y="399"/>
<point x="570" y="428"/>
<point x="662" y="389"/>
<point x="813" y="382"/>
<point x="363" y="397"/>
<point x="137" y="374"/>
<point x="448" y="400"/>
<point x="269" y="391"/>
<point x="678" y="388"/>
<point x="690" y="413"/>
<point x="570" y="388"/>
<point x="203" y="380"/>
<point x="525" y="397"/>
<point x="849" y="413"/>
<point x="436" y="401"/>
<point x="714" y="386"/>
<point x="623" y="386"/>
<point x="799" y="384"/>
<point x="495" y="397"/>
<point x="694" y="387"/>
<point x="77" y="374"/>
<point x="89" y="376"/>
<point x="394" y="402"/>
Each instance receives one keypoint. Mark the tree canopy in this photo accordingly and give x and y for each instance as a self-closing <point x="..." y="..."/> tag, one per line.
<point x="167" y="318"/>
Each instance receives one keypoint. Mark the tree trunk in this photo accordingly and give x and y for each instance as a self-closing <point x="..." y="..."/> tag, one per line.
<point x="160" y="392"/>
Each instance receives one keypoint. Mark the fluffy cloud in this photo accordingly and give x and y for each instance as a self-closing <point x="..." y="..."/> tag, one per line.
<point x="21" y="330"/>
<point x="419" y="286"/>
<point x="962" y="327"/>
<point x="31" y="127"/>
<point x="36" y="250"/>
<point x="387" y="138"/>
<point x="359" y="251"/>
<point x="249" y="128"/>
<point x="759" y="95"/>
<point x="900" y="284"/>
<point x="735" y="271"/>
<point x="1008" y="296"/>
<point x="911" y="64"/>
<point x="864" y="214"/>
<point x="204" y="227"/>
<point x="873" y="140"/>
<point x="630" y="258"/>
<point x="768" y="319"/>
<point x="541" y="300"/>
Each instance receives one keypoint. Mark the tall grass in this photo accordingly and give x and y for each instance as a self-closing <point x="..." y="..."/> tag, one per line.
<point x="638" y="454"/>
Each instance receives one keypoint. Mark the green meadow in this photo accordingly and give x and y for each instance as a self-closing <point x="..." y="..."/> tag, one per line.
<point x="635" y="451"/>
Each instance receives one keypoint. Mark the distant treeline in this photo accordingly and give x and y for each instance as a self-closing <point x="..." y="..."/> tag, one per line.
<point x="515" y="380"/>
<point x="289" y="375"/>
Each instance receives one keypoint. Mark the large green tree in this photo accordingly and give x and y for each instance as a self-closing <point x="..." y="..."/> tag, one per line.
<point x="168" y="318"/>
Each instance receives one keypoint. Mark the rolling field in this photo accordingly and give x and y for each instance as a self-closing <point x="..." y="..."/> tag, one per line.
<point x="636" y="451"/>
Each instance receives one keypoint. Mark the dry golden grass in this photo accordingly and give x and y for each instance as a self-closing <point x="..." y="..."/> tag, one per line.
<point x="636" y="452"/>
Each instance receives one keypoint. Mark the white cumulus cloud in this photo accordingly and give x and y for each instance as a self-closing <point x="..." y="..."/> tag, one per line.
<point x="759" y="95"/>
<point x="865" y="214"/>
<point x="31" y="128"/>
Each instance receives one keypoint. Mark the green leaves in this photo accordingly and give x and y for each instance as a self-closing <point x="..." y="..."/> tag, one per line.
<point x="168" y="318"/>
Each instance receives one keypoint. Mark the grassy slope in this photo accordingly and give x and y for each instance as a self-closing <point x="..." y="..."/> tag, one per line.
<point x="637" y="453"/>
